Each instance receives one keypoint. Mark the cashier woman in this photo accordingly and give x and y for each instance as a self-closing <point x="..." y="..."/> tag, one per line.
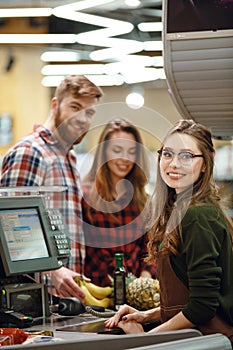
<point x="191" y="240"/>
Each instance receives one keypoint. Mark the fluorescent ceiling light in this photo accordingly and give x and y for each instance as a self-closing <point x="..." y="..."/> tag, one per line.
<point x="136" y="59"/>
<point x="129" y="77"/>
<point x="124" y="68"/>
<point x="103" y="37"/>
<point x="142" y="75"/>
<point x="52" y="81"/>
<point x="114" y="52"/>
<point x="113" y="26"/>
<point x="69" y="69"/>
<point x="82" y="5"/>
<point x="157" y="61"/>
<point x="60" y="56"/>
<point x="133" y="3"/>
<point x="100" y="80"/>
<point x="106" y="80"/>
<point x="98" y="40"/>
<point x="150" y="27"/>
<point x="128" y="62"/>
<point x="99" y="37"/>
<point x="155" y="45"/>
<point x="115" y="47"/>
<point x="26" y="12"/>
<point x="162" y="74"/>
<point x="37" y="38"/>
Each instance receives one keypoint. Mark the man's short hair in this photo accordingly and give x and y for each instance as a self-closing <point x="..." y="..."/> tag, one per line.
<point x="77" y="86"/>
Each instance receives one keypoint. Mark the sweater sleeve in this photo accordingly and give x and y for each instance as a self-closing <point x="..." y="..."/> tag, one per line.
<point x="203" y="237"/>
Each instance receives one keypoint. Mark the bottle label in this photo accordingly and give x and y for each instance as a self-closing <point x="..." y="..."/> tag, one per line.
<point x="119" y="284"/>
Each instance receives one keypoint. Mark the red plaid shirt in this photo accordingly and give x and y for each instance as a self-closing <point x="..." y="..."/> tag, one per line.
<point x="39" y="160"/>
<point x="105" y="236"/>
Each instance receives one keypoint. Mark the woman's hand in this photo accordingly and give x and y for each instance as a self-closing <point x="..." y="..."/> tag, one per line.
<point x="125" y="313"/>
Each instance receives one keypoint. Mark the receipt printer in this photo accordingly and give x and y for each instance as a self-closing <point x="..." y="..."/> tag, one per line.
<point x="28" y="298"/>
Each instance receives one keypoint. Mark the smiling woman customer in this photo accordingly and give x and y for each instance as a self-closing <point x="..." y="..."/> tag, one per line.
<point x="190" y="241"/>
<point x="113" y="203"/>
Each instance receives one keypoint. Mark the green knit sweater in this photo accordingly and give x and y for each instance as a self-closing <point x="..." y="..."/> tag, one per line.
<point x="205" y="264"/>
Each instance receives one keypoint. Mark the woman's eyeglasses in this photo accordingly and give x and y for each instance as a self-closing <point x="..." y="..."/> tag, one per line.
<point x="185" y="158"/>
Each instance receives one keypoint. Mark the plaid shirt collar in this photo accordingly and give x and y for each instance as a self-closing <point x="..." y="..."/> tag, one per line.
<point x="48" y="137"/>
<point x="45" y="134"/>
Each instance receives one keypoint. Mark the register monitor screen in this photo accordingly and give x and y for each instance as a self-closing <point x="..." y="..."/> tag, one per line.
<point x="26" y="238"/>
<point x="23" y="234"/>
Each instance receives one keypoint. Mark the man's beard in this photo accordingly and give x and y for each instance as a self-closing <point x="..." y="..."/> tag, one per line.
<point x="64" y="133"/>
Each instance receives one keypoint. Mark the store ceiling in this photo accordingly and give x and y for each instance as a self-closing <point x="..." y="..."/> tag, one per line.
<point x="148" y="10"/>
<point x="95" y="28"/>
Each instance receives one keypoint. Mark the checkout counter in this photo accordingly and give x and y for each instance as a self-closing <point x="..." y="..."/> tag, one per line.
<point x="72" y="340"/>
<point x="43" y="245"/>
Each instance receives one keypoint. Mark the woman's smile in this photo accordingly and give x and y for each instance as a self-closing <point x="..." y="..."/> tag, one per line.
<point x="175" y="176"/>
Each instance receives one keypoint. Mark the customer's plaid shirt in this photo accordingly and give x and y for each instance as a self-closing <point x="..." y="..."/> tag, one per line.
<point x="107" y="234"/>
<point x="39" y="160"/>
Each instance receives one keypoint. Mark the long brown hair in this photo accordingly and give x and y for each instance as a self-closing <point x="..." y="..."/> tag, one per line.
<point x="166" y="206"/>
<point x="99" y="173"/>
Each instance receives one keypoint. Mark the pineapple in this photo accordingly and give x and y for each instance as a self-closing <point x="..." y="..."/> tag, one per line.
<point x="143" y="293"/>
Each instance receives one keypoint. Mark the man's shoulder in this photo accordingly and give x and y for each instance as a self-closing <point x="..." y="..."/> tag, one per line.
<point x="34" y="142"/>
<point x="28" y="142"/>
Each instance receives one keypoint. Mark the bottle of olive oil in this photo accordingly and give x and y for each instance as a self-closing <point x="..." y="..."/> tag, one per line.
<point x="119" y="281"/>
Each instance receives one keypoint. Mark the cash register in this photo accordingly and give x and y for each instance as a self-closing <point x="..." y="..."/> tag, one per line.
<point x="32" y="239"/>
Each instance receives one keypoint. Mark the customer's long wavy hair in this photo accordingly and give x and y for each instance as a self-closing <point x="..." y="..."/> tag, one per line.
<point x="167" y="208"/>
<point x="99" y="174"/>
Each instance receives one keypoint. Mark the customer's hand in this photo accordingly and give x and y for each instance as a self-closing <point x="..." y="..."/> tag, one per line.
<point x="125" y="313"/>
<point x="64" y="284"/>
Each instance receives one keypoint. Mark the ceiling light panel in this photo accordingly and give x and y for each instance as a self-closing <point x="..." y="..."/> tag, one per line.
<point x="119" y="37"/>
<point x="37" y="38"/>
<point x="100" y="80"/>
<point x="150" y="27"/>
<point x="67" y="69"/>
<point x="60" y="56"/>
<point x="26" y="12"/>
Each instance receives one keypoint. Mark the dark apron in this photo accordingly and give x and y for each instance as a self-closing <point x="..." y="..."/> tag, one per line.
<point x="174" y="296"/>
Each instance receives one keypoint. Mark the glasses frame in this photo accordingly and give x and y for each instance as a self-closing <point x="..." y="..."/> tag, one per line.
<point x="160" y="152"/>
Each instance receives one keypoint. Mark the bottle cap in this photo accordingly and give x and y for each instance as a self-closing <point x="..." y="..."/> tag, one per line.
<point x="119" y="255"/>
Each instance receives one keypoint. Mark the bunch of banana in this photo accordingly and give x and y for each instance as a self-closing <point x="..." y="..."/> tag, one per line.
<point x="95" y="295"/>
